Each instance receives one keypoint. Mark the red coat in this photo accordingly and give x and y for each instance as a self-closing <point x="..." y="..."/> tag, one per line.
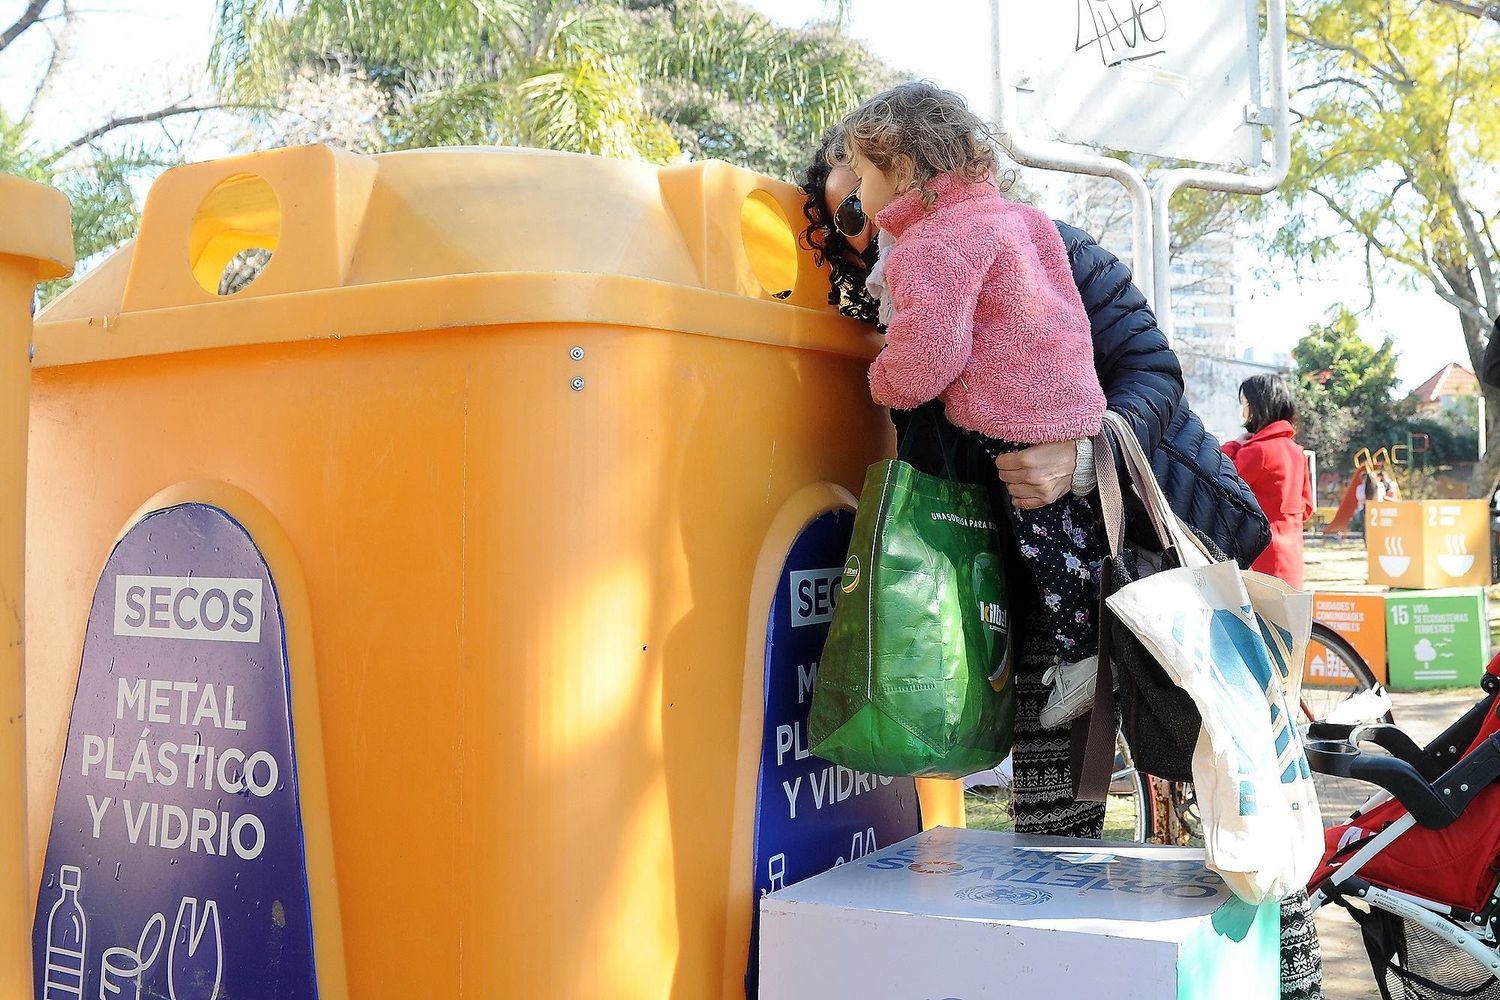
<point x="1273" y="465"/>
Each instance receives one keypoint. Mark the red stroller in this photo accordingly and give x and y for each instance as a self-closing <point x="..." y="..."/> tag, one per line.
<point x="1423" y="854"/>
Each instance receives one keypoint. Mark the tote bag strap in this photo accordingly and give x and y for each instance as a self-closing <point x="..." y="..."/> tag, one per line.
<point x="1093" y="735"/>
<point x="1116" y="444"/>
<point x="1181" y="545"/>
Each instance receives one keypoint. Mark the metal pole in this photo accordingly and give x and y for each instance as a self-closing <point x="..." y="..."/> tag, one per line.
<point x="1170" y="182"/>
<point x="1057" y="156"/>
<point x="1482" y="427"/>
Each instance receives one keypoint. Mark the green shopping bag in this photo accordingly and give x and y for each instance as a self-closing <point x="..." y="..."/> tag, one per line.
<point x="915" y="678"/>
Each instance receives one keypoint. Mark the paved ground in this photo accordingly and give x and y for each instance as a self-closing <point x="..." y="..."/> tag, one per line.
<point x="1346" y="968"/>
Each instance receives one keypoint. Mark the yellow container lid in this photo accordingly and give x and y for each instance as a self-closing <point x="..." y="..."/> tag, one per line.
<point x="34" y="224"/>
<point x="451" y="238"/>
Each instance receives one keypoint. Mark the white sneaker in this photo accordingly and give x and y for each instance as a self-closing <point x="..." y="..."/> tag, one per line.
<point x="1072" y="691"/>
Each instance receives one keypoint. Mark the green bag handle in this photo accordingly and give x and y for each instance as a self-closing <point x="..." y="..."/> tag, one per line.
<point x="948" y="439"/>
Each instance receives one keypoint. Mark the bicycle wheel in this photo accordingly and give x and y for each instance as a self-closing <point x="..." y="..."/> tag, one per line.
<point x="1341" y="676"/>
<point x="1335" y="674"/>
<point x="1127" y="813"/>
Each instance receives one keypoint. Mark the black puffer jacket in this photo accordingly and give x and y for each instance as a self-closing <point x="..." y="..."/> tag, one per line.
<point x="1143" y="380"/>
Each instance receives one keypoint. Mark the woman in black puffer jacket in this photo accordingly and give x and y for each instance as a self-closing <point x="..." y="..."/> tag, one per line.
<point x="1140" y="375"/>
<point x="1142" y="380"/>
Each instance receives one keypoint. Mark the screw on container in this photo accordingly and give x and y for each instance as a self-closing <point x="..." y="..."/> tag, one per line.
<point x="577" y="384"/>
<point x="576" y="354"/>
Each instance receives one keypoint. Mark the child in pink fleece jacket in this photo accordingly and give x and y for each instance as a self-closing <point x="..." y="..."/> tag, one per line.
<point x="984" y="314"/>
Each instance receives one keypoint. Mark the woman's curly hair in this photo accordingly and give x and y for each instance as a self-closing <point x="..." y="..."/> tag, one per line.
<point x="829" y="246"/>
<point x="933" y="128"/>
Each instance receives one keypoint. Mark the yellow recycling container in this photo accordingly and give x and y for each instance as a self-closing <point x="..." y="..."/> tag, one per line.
<point x="36" y="244"/>
<point x="432" y="610"/>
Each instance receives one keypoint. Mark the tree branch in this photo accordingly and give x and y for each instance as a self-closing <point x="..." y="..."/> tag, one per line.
<point x="1347" y="80"/>
<point x="29" y="16"/>
<point x="1390" y="50"/>
<point x="1465" y="306"/>
<point x="1388" y="253"/>
<point x="1489" y="10"/>
<point x="1476" y="243"/>
<point x="1489" y="237"/>
<point x="1360" y="57"/>
<point x="150" y="116"/>
<point x="62" y="48"/>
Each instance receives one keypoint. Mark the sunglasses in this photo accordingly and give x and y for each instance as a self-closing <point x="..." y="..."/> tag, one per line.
<point x="849" y="218"/>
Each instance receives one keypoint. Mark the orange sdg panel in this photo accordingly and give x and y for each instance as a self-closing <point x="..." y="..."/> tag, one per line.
<point x="542" y="463"/>
<point x="1360" y="618"/>
<point x="1427" y="544"/>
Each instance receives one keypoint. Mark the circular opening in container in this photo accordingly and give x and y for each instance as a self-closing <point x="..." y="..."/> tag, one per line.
<point x="235" y="233"/>
<point x="770" y="244"/>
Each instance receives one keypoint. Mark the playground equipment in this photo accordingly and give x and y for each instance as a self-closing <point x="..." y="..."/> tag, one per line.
<point x="36" y="244"/>
<point x="1365" y="463"/>
<point x="535" y="471"/>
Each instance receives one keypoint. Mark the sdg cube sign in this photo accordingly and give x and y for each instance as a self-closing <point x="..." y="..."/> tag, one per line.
<point x="1360" y="618"/>
<point x="1437" y="638"/>
<point x="1425" y="544"/>
<point x="971" y="914"/>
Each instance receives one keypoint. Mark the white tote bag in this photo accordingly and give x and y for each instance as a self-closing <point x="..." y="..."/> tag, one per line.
<point x="1235" y="641"/>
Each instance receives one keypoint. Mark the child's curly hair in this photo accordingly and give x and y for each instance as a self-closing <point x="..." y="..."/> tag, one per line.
<point x="933" y="127"/>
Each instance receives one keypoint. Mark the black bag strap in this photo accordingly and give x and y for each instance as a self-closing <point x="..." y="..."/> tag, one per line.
<point x="1093" y="735"/>
<point x="947" y="438"/>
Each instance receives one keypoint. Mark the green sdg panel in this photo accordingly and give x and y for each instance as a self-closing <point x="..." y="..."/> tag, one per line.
<point x="1436" y="638"/>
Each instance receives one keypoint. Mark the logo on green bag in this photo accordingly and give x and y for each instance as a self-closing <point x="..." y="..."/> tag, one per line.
<point x="851" y="575"/>
<point x="1001" y="676"/>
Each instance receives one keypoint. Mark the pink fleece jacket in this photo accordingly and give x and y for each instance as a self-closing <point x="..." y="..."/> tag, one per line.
<point x="986" y="316"/>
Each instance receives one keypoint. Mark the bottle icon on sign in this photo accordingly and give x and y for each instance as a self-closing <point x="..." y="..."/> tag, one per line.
<point x="195" y="960"/>
<point x="67" y="940"/>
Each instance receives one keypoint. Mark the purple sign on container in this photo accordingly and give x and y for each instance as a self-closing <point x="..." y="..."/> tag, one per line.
<point x="175" y="866"/>
<point x="811" y="814"/>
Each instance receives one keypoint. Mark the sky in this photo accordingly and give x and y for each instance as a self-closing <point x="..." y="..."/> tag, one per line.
<point x="127" y="50"/>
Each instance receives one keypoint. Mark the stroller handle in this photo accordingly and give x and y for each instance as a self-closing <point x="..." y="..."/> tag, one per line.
<point x="1434" y="804"/>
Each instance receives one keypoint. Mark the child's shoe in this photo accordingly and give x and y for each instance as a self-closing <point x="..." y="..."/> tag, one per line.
<point x="1072" y="691"/>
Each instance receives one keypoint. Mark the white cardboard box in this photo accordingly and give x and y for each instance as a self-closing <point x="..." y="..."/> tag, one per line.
<point x="970" y="914"/>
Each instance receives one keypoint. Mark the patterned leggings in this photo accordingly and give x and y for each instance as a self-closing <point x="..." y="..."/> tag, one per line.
<point x="1063" y="545"/>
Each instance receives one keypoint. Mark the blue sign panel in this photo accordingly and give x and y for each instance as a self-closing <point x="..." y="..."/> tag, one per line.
<point x="175" y="865"/>
<point x="811" y="814"/>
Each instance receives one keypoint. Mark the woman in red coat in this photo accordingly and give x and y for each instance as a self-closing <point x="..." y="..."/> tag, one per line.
<point x="1274" y="466"/>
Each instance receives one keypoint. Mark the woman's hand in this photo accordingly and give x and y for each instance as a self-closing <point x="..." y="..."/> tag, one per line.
<point x="1039" y="474"/>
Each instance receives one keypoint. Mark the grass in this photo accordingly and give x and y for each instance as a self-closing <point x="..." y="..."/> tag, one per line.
<point x="990" y="809"/>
